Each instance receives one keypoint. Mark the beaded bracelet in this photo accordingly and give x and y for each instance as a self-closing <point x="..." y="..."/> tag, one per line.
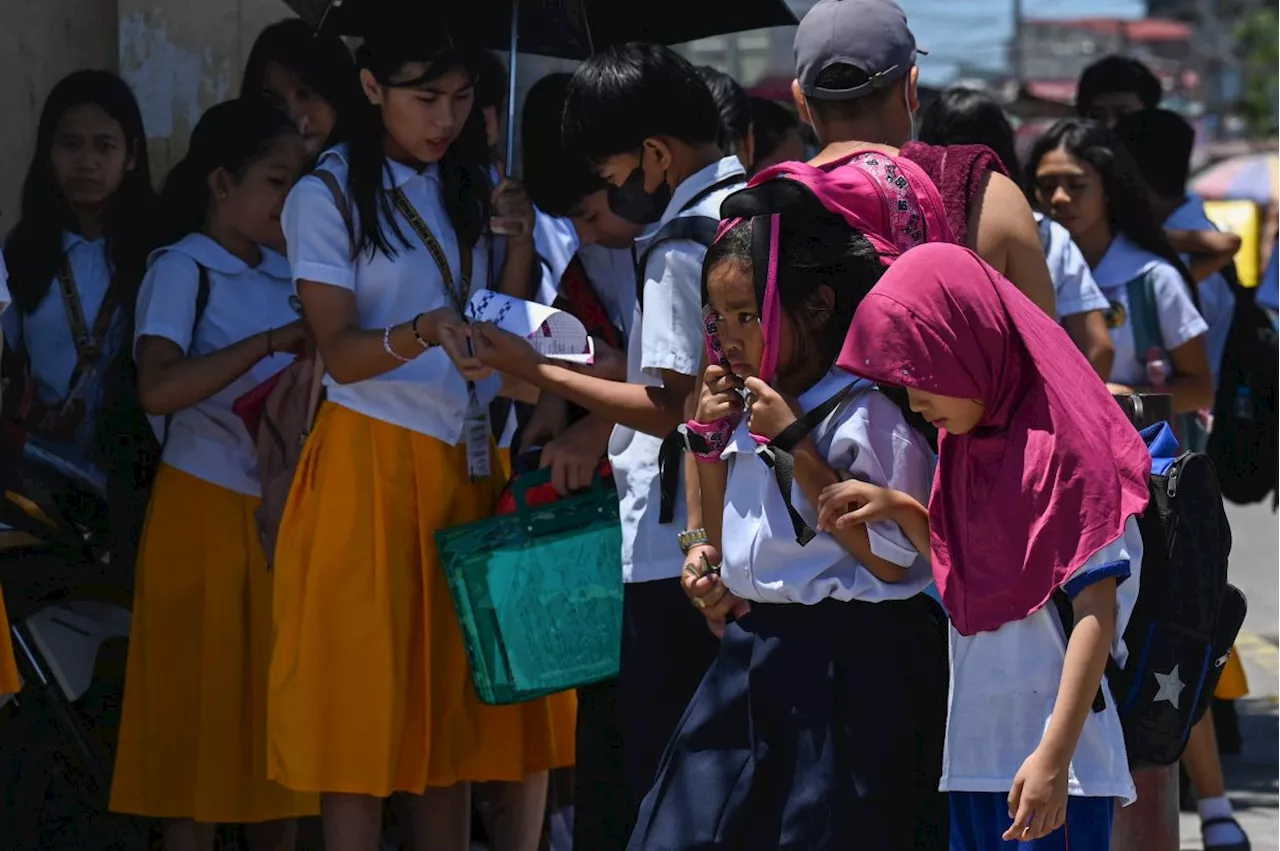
<point x="386" y="344"/>
<point x="422" y="341"/>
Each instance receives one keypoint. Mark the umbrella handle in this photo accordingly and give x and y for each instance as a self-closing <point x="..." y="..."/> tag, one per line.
<point x="511" y="86"/>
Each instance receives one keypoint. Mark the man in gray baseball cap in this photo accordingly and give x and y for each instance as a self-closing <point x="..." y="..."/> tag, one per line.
<point x="855" y="86"/>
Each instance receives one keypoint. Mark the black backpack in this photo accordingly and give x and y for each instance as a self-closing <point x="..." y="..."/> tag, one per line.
<point x="1186" y="617"/>
<point x="1244" y="444"/>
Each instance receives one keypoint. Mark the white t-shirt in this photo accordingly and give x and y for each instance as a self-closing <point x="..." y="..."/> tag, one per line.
<point x="1073" y="284"/>
<point x="1217" y="302"/>
<point x="209" y="441"/>
<point x="1178" y="318"/>
<point x="867" y="437"/>
<point x="45" y="333"/>
<point x="1004" y="685"/>
<point x="427" y="395"/>
<point x="667" y="336"/>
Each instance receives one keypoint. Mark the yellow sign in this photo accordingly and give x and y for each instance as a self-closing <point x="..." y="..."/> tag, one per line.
<point x="1241" y="218"/>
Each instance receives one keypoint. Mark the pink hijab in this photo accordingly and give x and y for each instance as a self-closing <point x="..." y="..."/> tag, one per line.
<point x="1053" y="471"/>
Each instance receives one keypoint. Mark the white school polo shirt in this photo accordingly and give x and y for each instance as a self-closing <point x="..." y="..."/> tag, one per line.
<point x="209" y="441"/>
<point x="1217" y="301"/>
<point x="866" y="438"/>
<point x="45" y="332"/>
<point x="1179" y="320"/>
<point x="1004" y="684"/>
<point x="668" y="335"/>
<point x="427" y="395"/>
<point x="1073" y="284"/>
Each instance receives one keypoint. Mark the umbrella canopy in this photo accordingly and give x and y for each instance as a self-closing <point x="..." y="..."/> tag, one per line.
<point x="1252" y="177"/>
<point x="566" y="29"/>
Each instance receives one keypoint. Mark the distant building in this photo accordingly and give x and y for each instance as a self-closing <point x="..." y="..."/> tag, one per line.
<point x="1053" y="54"/>
<point x="753" y="56"/>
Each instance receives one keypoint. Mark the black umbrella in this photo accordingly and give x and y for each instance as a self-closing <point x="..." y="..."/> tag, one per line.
<point x="565" y="29"/>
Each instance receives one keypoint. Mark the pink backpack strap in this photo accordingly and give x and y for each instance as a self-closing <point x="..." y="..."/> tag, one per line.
<point x="930" y="199"/>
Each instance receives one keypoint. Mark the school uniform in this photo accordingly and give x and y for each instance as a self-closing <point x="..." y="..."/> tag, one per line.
<point x="1003" y="687"/>
<point x="666" y="646"/>
<point x="47" y="336"/>
<point x="10" y="682"/>
<point x="193" y="741"/>
<point x="369" y="687"/>
<point x="1217" y="301"/>
<point x="1269" y="288"/>
<point x="1074" y="289"/>
<point x="820" y="723"/>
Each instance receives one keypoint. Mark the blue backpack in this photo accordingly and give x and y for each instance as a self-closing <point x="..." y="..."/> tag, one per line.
<point x="1187" y="616"/>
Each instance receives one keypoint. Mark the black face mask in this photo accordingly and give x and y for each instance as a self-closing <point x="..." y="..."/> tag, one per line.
<point x="631" y="202"/>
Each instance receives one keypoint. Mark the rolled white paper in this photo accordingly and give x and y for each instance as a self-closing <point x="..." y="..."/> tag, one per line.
<point x="552" y="333"/>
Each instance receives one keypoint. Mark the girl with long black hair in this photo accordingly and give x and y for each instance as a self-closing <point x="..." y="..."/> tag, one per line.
<point x="1085" y="179"/>
<point x="310" y="75"/>
<point x="76" y="257"/>
<point x="369" y="688"/>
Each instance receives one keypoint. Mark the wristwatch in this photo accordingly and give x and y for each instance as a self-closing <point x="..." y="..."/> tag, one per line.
<point x="694" y="442"/>
<point x="692" y="538"/>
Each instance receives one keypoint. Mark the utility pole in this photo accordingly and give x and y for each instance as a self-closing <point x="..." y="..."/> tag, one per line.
<point x="1018" y="51"/>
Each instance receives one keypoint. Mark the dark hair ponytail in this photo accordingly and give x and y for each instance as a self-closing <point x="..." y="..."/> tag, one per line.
<point x="232" y="135"/>
<point x="34" y="246"/>
<point x="1128" y="198"/>
<point x="464" y="169"/>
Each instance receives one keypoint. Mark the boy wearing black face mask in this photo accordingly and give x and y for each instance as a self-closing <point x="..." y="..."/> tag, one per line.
<point x="645" y="120"/>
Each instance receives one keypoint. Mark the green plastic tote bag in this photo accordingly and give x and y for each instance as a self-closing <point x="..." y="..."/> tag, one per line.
<point x="538" y="593"/>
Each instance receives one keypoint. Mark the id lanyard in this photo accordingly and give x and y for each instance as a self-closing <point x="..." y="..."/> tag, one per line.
<point x="476" y="429"/>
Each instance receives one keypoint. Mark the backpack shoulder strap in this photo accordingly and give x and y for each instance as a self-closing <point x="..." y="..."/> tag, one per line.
<point x="699" y="229"/>
<point x="202" y="302"/>
<point x="777" y="453"/>
<point x="340" y="201"/>
<point x="1144" y="317"/>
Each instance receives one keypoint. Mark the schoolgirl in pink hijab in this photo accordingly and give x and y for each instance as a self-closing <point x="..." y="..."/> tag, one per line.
<point x="1039" y="482"/>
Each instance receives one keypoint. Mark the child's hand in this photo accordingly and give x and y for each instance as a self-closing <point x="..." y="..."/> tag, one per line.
<point x="852" y="503"/>
<point x="1038" y="801"/>
<point x="454" y="336"/>
<point x="701" y="582"/>
<point x="719" y="397"/>
<point x="503" y="350"/>
<point x="768" y="413"/>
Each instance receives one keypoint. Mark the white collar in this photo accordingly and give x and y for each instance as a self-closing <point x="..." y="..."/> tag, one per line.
<point x="211" y="255"/>
<point x="709" y="176"/>
<point x="394" y="174"/>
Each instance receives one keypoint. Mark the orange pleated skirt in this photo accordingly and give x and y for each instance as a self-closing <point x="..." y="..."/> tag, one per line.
<point x="369" y="687"/>
<point x="10" y="682"/>
<point x="1232" y="685"/>
<point x="193" y="739"/>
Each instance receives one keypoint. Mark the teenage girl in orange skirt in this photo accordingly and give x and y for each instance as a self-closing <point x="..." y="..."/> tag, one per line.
<point x="370" y="693"/>
<point x="213" y="321"/>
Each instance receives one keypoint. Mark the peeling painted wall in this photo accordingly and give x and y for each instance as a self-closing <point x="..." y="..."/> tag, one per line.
<point x="180" y="56"/>
<point x="41" y="41"/>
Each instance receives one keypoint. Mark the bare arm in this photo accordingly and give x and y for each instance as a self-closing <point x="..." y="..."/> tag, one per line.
<point x="1004" y="233"/>
<point x="653" y="410"/>
<point x="169" y="380"/>
<point x="1210" y="250"/>
<point x="1192" y="383"/>
<point x="1082" y="670"/>
<point x="353" y="354"/>
<point x="697" y="513"/>
<point x="1089" y="332"/>
<point x="518" y="269"/>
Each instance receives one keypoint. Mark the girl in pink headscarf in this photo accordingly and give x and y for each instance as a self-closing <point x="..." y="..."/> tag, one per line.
<point x="1039" y="483"/>
<point x="819" y="725"/>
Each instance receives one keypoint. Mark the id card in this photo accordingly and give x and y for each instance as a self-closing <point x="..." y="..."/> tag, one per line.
<point x="476" y="431"/>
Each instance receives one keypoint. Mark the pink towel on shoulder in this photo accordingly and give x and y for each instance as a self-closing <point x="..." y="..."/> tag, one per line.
<point x="957" y="171"/>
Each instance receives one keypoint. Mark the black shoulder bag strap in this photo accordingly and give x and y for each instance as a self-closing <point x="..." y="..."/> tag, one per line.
<point x="777" y="452"/>
<point x="202" y="301"/>
<point x="699" y="229"/>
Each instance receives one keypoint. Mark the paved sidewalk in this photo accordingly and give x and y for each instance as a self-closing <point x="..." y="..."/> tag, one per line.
<point x="1252" y="776"/>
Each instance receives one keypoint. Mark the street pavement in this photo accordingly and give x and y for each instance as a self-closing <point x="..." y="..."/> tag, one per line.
<point x="1252" y="776"/>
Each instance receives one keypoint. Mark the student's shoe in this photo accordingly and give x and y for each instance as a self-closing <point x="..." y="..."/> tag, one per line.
<point x="1227" y="823"/>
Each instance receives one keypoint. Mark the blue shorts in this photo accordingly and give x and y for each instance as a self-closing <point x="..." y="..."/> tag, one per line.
<point x="979" y="819"/>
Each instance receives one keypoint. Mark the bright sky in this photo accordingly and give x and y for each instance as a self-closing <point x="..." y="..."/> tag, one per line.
<point x="975" y="32"/>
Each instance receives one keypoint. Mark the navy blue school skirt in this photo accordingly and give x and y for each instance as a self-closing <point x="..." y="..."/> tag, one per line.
<point x="817" y="728"/>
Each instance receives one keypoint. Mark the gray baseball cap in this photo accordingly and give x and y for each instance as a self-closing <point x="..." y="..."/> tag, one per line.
<point x="871" y="35"/>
